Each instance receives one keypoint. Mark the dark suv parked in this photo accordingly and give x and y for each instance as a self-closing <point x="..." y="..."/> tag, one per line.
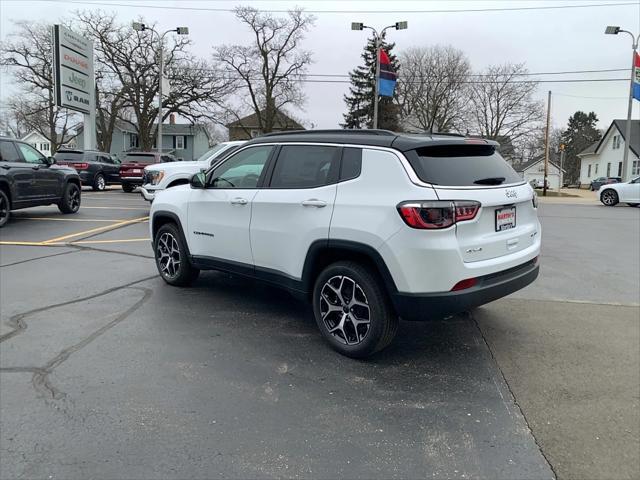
<point x="598" y="182"/>
<point x="132" y="168"/>
<point x="96" y="169"/>
<point x="29" y="179"/>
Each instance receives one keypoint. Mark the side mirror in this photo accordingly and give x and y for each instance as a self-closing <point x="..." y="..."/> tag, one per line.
<point x="50" y="160"/>
<point x="198" y="180"/>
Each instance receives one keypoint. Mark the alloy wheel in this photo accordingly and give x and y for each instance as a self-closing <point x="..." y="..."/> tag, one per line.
<point x="100" y="183"/>
<point x="74" y="199"/>
<point x="168" y="255"/>
<point x="4" y="209"/>
<point x="345" y="310"/>
<point x="609" y="197"/>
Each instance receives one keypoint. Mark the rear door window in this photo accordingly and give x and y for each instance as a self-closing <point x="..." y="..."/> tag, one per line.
<point x="351" y="163"/>
<point x="9" y="152"/>
<point x="461" y="165"/>
<point x="306" y="166"/>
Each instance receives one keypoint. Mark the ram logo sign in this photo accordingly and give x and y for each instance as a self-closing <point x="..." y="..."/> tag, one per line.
<point x="73" y="70"/>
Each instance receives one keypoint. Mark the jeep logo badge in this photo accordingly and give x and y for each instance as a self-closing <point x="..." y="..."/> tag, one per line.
<point x="511" y="193"/>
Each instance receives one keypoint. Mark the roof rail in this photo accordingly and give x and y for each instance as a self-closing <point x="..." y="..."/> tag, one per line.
<point x="432" y="134"/>
<point x="335" y="131"/>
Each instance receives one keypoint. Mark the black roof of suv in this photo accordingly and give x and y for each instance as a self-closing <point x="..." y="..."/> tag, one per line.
<point x="379" y="138"/>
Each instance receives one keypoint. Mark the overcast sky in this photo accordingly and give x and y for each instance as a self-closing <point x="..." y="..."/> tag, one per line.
<point x="549" y="40"/>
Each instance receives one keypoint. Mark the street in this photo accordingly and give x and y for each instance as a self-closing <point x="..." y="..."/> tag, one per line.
<point x="107" y="372"/>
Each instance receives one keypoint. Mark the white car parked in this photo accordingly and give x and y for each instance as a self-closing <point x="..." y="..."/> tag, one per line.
<point x="160" y="176"/>
<point x="366" y="225"/>
<point x="613" y="193"/>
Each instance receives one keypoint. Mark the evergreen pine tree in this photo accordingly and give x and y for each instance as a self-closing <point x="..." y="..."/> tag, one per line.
<point x="580" y="133"/>
<point x="362" y="90"/>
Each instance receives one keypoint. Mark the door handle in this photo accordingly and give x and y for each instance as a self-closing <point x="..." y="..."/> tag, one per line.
<point x="6" y="167"/>
<point x="36" y="167"/>
<point x="314" y="202"/>
<point x="239" y="201"/>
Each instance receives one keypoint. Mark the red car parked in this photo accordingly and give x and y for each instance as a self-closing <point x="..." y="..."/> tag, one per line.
<point x="132" y="168"/>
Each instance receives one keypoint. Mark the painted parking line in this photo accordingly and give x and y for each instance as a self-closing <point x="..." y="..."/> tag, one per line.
<point x="123" y="240"/>
<point x="97" y="220"/>
<point x="113" y="207"/>
<point x="104" y="229"/>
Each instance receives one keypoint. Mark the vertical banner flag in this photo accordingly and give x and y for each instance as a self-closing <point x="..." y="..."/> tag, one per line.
<point x="387" y="80"/>
<point x="636" y="77"/>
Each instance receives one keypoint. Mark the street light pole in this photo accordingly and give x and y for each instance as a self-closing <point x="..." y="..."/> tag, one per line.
<point x="378" y="43"/>
<point x="612" y="30"/>
<point x="141" y="27"/>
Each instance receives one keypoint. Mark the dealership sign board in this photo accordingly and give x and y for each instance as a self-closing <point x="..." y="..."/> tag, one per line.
<point x="73" y="70"/>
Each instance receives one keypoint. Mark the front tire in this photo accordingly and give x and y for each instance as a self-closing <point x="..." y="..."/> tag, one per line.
<point x="99" y="183"/>
<point x="128" y="188"/>
<point x="70" y="202"/>
<point x="609" y="197"/>
<point x="171" y="257"/>
<point x="352" y="310"/>
<point x="5" y="208"/>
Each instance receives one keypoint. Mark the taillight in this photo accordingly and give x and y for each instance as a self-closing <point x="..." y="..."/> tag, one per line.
<point x="534" y="200"/>
<point x="80" y="166"/>
<point x="433" y="215"/>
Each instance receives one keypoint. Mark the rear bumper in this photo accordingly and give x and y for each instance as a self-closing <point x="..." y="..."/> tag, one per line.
<point x="132" y="180"/>
<point x="428" y="306"/>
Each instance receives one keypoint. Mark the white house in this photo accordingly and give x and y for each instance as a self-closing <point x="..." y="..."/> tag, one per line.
<point x="604" y="158"/>
<point x="43" y="145"/>
<point x="534" y="170"/>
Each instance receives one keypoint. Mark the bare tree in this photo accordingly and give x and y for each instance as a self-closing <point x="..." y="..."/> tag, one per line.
<point x="501" y="104"/>
<point x="268" y="69"/>
<point x="27" y="54"/>
<point x="129" y="60"/>
<point x="432" y="88"/>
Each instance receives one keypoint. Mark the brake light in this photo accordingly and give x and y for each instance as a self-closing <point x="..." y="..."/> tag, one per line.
<point x="464" y="284"/>
<point x="80" y="166"/>
<point x="434" y="215"/>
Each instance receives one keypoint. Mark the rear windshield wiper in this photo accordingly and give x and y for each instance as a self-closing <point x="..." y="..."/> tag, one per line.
<point x="490" y="181"/>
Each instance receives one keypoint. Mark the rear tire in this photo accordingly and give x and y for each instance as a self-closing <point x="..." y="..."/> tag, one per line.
<point x="171" y="257"/>
<point x="609" y="197"/>
<point x="70" y="202"/>
<point x="5" y="208"/>
<point x="99" y="183"/>
<point x="128" y="188"/>
<point x="352" y="310"/>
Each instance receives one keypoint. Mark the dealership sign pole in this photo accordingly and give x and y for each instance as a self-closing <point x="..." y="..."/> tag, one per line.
<point x="74" y="78"/>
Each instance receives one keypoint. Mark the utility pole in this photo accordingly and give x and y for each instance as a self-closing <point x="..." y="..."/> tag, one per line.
<point x="546" y="146"/>
<point x="562" y="147"/>
<point x="378" y="42"/>
<point x="614" y="30"/>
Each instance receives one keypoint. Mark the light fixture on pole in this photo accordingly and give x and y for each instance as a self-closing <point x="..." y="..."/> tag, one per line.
<point x="141" y="27"/>
<point x="615" y="30"/>
<point x="378" y="44"/>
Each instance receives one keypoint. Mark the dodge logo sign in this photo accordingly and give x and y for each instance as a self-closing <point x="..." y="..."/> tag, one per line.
<point x="511" y="194"/>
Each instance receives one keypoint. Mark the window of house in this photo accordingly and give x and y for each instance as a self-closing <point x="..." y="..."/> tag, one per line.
<point x="589" y="171"/>
<point x="44" y="147"/>
<point x="596" y="168"/>
<point x="179" y="142"/>
<point x="609" y="169"/>
<point x="635" y="167"/>
<point x="619" y="169"/>
<point x="255" y="133"/>
<point x="133" y="141"/>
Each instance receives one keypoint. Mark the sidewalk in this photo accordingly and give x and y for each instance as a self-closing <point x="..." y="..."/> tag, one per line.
<point x="579" y="196"/>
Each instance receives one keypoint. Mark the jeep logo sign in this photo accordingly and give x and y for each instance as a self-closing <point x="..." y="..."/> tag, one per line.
<point x="73" y="70"/>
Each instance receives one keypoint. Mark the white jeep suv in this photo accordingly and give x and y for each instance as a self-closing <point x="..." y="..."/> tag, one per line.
<point x="161" y="176"/>
<point x="369" y="226"/>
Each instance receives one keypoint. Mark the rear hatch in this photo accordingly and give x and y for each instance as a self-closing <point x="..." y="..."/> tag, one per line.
<point x="506" y="221"/>
<point x="133" y="164"/>
<point x="72" y="158"/>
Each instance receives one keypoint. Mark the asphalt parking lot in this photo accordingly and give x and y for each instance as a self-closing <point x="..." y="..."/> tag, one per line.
<point x="106" y="372"/>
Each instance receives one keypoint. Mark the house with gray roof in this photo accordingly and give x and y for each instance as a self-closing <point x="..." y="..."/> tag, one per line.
<point x="604" y="158"/>
<point x="248" y="127"/>
<point x="185" y="141"/>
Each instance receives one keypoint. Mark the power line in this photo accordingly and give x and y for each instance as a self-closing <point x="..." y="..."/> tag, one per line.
<point x="466" y="10"/>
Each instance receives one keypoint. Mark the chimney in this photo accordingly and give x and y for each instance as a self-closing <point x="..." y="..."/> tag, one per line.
<point x="172" y="119"/>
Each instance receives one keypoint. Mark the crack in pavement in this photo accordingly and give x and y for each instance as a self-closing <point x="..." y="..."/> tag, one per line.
<point x="19" y="325"/>
<point x="40" y="378"/>
<point x="515" y="400"/>
<point x="38" y="258"/>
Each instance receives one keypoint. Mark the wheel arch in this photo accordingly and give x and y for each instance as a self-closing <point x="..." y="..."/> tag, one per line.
<point x="6" y="188"/>
<point x="162" y="218"/>
<point x="325" y="252"/>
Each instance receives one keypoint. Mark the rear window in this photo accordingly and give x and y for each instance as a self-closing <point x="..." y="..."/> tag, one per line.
<point x="461" y="165"/>
<point x="305" y="166"/>
<point x="139" y="158"/>
<point x="69" y="156"/>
